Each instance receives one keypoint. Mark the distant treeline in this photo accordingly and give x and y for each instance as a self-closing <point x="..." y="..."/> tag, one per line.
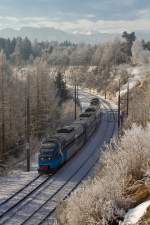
<point x="22" y="51"/>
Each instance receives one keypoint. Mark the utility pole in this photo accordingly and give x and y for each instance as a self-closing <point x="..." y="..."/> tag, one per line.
<point x="77" y="91"/>
<point x="3" y="103"/>
<point x="105" y="92"/>
<point x="128" y="98"/>
<point x="119" y="108"/>
<point x="37" y="103"/>
<point x="28" y="124"/>
<point x="75" y="100"/>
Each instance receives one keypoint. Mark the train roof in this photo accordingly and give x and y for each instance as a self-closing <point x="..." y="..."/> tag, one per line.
<point x="85" y="115"/>
<point x="95" y="101"/>
<point x="78" y="127"/>
<point x="53" y="139"/>
<point x="86" y="119"/>
<point x="80" y="122"/>
<point x="90" y="109"/>
<point x="60" y="139"/>
<point x="65" y="130"/>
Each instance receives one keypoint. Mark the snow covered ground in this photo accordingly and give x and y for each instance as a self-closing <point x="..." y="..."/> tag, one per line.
<point x="135" y="214"/>
<point x="137" y="74"/>
<point x="132" y="83"/>
<point x="14" y="182"/>
<point x="18" y="178"/>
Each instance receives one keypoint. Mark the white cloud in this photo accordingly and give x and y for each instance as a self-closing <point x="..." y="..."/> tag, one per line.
<point x="81" y="25"/>
<point x="90" y="16"/>
<point x="144" y="13"/>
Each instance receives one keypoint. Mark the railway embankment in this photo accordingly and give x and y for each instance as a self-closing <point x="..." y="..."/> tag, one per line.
<point x="121" y="182"/>
<point x="121" y="185"/>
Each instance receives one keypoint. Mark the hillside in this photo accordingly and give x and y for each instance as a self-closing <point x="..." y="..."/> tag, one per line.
<point x="120" y="183"/>
<point x="75" y="112"/>
<point x="121" y="180"/>
<point x="52" y="34"/>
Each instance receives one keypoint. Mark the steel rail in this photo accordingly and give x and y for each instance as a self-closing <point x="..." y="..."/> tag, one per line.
<point x="112" y="134"/>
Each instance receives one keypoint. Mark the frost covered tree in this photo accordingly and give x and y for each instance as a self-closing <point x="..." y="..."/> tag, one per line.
<point x="81" y="55"/>
<point x="58" y="56"/>
<point x="139" y="54"/>
<point x="44" y="104"/>
<point x="104" y="199"/>
<point x="61" y="87"/>
<point x="11" y="111"/>
<point x="2" y="100"/>
<point x="129" y="38"/>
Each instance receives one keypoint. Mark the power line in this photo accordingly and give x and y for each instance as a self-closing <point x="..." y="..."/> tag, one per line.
<point x="128" y="98"/>
<point x="119" y="108"/>
<point x="75" y="100"/>
<point x="28" y="124"/>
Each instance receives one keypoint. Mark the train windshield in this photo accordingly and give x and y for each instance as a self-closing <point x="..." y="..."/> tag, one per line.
<point x="49" y="149"/>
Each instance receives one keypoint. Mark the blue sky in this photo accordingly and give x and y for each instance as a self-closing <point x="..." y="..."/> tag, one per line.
<point x="76" y="15"/>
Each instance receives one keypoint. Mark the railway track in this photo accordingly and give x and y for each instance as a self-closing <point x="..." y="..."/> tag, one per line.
<point x="37" y="201"/>
<point x="18" y="197"/>
<point x="49" y="219"/>
<point x="19" y="191"/>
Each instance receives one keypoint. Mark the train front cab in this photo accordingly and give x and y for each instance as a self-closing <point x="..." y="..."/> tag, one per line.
<point x="50" y="161"/>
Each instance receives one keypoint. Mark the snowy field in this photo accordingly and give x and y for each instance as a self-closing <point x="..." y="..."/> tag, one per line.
<point x="137" y="75"/>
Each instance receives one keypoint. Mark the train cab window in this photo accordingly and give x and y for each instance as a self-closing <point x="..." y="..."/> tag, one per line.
<point x="48" y="148"/>
<point x="48" y="154"/>
<point x="46" y="151"/>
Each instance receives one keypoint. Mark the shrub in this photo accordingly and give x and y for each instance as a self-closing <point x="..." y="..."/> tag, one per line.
<point x="102" y="200"/>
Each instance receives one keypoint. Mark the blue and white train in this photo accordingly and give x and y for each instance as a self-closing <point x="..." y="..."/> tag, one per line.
<point x="58" y="149"/>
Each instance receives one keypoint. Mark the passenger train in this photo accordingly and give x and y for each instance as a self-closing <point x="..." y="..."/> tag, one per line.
<point x="59" y="148"/>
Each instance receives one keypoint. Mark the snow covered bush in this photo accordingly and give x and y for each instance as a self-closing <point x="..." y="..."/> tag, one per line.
<point x="102" y="200"/>
<point x="139" y="104"/>
<point x="139" y="54"/>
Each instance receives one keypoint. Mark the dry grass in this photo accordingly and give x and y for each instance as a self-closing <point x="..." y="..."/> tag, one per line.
<point x="146" y="219"/>
<point x="104" y="199"/>
<point x="139" y="105"/>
